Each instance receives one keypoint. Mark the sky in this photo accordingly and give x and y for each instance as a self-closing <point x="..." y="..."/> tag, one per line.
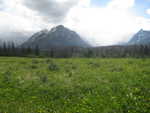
<point x="102" y="22"/>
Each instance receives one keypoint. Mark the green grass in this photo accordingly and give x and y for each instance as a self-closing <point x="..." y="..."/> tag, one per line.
<point x="30" y="85"/>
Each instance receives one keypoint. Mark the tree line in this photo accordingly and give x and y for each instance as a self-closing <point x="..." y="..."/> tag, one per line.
<point x="9" y="49"/>
<point x="138" y="51"/>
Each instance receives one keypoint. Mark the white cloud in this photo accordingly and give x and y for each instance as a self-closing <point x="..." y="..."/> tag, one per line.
<point x="103" y="25"/>
<point x="16" y="17"/>
<point x="142" y="22"/>
<point x="106" y="26"/>
<point x="121" y="4"/>
<point x="148" y="11"/>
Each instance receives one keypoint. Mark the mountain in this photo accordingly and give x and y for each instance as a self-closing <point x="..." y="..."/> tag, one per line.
<point x="140" y="38"/>
<point x="58" y="36"/>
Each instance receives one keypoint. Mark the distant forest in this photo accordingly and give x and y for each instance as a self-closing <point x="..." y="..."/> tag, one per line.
<point x="136" y="51"/>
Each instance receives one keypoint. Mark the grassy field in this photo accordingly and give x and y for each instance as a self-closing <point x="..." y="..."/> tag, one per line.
<point x="33" y="85"/>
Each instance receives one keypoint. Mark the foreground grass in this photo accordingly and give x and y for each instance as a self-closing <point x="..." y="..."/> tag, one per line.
<point x="74" y="85"/>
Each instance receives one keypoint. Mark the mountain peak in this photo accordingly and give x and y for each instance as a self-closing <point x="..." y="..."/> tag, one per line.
<point x="60" y="27"/>
<point x="140" y="38"/>
<point x="141" y="30"/>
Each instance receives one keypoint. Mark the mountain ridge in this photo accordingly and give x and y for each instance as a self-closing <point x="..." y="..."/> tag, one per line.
<point x="58" y="36"/>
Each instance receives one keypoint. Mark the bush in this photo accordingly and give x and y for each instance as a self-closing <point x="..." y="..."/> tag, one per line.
<point x="48" y="61"/>
<point x="7" y="77"/>
<point x="44" y="79"/>
<point x="53" y="67"/>
<point x="33" y="67"/>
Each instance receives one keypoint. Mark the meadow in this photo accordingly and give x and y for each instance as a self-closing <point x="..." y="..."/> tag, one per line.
<point x="75" y="85"/>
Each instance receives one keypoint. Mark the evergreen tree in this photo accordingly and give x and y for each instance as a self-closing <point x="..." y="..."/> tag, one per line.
<point x="37" y="51"/>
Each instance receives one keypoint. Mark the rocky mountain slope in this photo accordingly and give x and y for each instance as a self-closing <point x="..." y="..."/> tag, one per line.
<point x="140" y="38"/>
<point x="58" y="36"/>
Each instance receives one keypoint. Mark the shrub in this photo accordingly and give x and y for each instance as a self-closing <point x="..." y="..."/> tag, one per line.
<point x="53" y="67"/>
<point x="44" y="79"/>
<point x="7" y="77"/>
<point x="33" y="67"/>
<point x="48" y="61"/>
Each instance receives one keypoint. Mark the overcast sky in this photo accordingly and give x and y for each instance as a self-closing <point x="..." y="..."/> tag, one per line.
<point x="104" y="22"/>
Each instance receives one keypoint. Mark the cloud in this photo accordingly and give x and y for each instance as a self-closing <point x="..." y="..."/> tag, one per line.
<point x="148" y="11"/>
<point x="52" y="10"/>
<point x="109" y="25"/>
<point x="1" y="4"/>
<point x="16" y="17"/>
<point x="103" y="25"/>
<point x="121" y="4"/>
<point x="143" y="23"/>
